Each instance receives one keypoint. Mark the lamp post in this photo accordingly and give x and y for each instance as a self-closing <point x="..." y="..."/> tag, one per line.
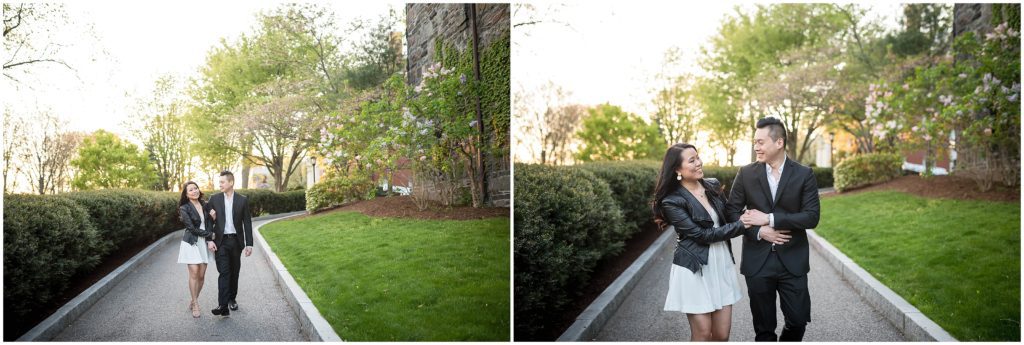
<point x="831" y="149"/>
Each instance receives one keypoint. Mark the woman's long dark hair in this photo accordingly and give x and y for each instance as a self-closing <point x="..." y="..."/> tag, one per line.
<point x="184" y="193"/>
<point x="667" y="182"/>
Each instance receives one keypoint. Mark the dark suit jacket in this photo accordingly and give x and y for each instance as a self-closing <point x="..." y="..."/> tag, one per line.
<point x="795" y="206"/>
<point x="241" y="218"/>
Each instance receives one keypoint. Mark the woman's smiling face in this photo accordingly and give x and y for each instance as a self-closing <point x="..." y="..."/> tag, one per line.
<point x="193" y="191"/>
<point x="691" y="168"/>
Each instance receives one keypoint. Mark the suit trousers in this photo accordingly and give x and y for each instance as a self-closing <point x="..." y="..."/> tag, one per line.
<point x="229" y="261"/>
<point x="792" y="290"/>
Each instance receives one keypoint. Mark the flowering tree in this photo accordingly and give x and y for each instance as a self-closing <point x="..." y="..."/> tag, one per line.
<point x="974" y="99"/>
<point x="987" y="106"/>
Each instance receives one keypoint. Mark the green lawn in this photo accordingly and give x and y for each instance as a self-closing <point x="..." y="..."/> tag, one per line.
<point x="390" y="279"/>
<point x="957" y="261"/>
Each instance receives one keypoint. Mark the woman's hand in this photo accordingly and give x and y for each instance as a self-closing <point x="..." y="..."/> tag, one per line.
<point x="211" y="246"/>
<point x="213" y="214"/>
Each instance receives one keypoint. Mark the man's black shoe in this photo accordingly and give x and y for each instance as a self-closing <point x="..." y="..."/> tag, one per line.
<point x="222" y="311"/>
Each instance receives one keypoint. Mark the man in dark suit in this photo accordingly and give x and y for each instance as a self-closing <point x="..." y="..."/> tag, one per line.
<point x="781" y="201"/>
<point x="233" y="232"/>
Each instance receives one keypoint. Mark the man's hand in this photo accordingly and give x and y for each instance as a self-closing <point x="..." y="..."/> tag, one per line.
<point x="213" y="214"/>
<point x="774" y="236"/>
<point x="754" y="218"/>
<point x="248" y="251"/>
<point x="212" y="246"/>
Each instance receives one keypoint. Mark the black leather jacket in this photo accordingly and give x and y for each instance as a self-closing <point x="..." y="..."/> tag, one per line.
<point x="188" y="215"/>
<point x="694" y="225"/>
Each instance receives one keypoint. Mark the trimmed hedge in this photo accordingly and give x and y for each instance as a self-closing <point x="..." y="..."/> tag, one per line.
<point x="339" y="190"/>
<point x="865" y="169"/>
<point x="125" y="216"/>
<point x="565" y="221"/>
<point x="632" y="186"/>
<point x="264" y="201"/>
<point x="824" y="177"/>
<point x="47" y="240"/>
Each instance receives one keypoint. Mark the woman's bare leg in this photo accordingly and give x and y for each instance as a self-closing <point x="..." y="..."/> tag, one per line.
<point x="201" y="278"/>
<point x="700" y="327"/>
<point x="193" y="282"/>
<point x="721" y="324"/>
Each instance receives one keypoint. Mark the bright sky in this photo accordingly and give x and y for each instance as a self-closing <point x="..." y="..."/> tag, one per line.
<point x="612" y="51"/>
<point x="136" y="42"/>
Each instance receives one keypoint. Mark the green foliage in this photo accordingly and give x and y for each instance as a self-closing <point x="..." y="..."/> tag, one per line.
<point x="1006" y="13"/>
<point x="264" y="202"/>
<point x="866" y="169"/>
<point x="565" y="221"/>
<point x="47" y="240"/>
<point x="608" y="133"/>
<point x="396" y="279"/>
<point x="378" y="56"/>
<point x="106" y="161"/>
<point x="338" y="190"/>
<point x="495" y="92"/>
<point x="632" y="186"/>
<point x="126" y="216"/>
<point x="917" y="246"/>
<point x="823" y="176"/>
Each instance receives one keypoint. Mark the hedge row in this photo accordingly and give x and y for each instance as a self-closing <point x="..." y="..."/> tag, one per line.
<point x="865" y="169"/>
<point x="48" y="239"/>
<point x="565" y="221"/>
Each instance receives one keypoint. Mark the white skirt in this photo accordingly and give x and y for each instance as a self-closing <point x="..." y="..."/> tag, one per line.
<point x="195" y="254"/>
<point x="693" y="293"/>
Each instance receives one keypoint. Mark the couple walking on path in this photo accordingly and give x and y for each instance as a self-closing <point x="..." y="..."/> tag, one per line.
<point x="772" y="203"/>
<point x="224" y="238"/>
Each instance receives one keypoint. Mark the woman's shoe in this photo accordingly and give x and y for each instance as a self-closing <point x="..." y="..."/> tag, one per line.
<point x="195" y="310"/>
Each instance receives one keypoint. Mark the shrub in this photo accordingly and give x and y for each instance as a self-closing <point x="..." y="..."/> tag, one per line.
<point x="127" y="216"/>
<point x="823" y="176"/>
<point x="632" y="186"/>
<point x="565" y="221"/>
<point x="264" y="201"/>
<point x="339" y="190"/>
<point x="866" y="169"/>
<point x="725" y="175"/>
<point x="47" y="240"/>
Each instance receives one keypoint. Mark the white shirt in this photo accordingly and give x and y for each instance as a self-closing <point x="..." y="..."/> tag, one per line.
<point x="773" y="185"/>
<point x="229" y="225"/>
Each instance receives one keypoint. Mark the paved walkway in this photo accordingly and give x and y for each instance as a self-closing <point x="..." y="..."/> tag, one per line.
<point x="838" y="313"/>
<point x="150" y="305"/>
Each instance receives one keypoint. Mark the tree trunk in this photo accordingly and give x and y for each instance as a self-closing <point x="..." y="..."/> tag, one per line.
<point x="245" y="173"/>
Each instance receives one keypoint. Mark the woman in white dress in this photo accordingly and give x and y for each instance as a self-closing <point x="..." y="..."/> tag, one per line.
<point x="703" y="282"/>
<point x="197" y="245"/>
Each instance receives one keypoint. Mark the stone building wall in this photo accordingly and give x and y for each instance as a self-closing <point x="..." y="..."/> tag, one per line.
<point x="972" y="17"/>
<point x="450" y="22"/>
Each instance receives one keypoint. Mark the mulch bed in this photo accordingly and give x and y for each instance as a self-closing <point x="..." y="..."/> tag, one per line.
<point x="605" y="273"/>
<point x="404" y="207"/>
<point x="941" y="187"/>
